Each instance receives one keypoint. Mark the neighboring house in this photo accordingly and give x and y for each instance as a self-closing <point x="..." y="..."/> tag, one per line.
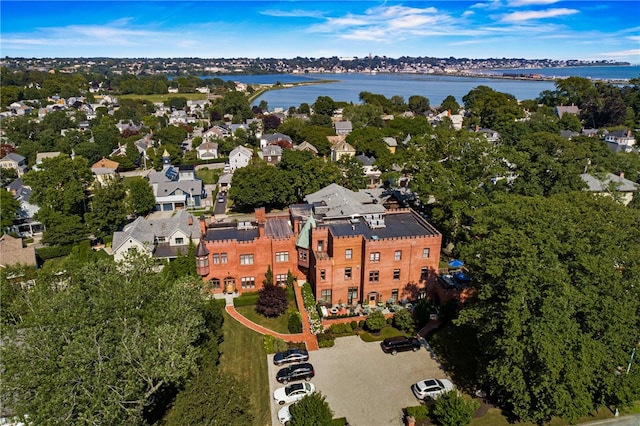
<point x="239" y="157"/>
<point x="343" y="127"/>
<point x="42" y="155"/>
<point x="620" y="140"/>
<point x="456" y="119"/>
<point x="568" y="134"/>
<point x="105" y="170"/>
<point x="491" y="135"/>
<point x="345" y="243"/>
<point x="391" y="143"/>
<point x="224" y="182"/>
<point x="161" y="238"/>
<point x="272" y="154"/>
<point x="13" y="252"/>
<point x="207" y="150"/>
<point x="275" y="139"/>
<point x="561" y="110"/>
<point x="341" y="149"/>
<point x="612" y="185"/>
<point x="306" y="146"/>
<point x="25" y="225"/>
<point x="14" y="161"/>
<point x="216" y="132"/>
<point x="370" y="171"/>
<point x="176" y="188"/>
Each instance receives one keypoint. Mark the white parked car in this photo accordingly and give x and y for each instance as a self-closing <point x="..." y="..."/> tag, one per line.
<point x="284" y="415"/>
<point x="293" y="392"/>
<point x="431" y="388"/>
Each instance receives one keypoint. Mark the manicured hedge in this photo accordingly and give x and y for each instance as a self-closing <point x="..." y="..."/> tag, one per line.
<point x="246" y="299"/>
<point x="52" y="252"/>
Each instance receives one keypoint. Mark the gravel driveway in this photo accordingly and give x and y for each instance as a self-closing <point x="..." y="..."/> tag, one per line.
<point x="362" y="383"/>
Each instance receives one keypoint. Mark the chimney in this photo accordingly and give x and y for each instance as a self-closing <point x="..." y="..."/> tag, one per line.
<point x="621" y="174"/>
<point x="261" y="215"/>
<point x="203" y="226"/>
<point x="189" y="220"/>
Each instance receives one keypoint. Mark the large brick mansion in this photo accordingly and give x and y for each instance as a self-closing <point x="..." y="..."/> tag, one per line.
<point x="347" y="245"/>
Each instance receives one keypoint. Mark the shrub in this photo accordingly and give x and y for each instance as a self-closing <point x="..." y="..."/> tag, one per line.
<point x="272" y="301"/>
<point x="403" y="320"/>
<point x="354" y="325"/>
<point x="452" y="409"/>
<point x="389" y="321"/>
<point x="376" y="321"/>
<point x="326" y="339"/>
<point x="295" y="323"/>
<point x="361" y="323"/>
<point x="344" y="328"/>
<point x="52" y="252"/>
<point x="419" y="412"/>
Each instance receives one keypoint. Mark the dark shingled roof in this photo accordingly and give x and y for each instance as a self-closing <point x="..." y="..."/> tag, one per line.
<point x="404" y="224"/>
<point x="231" y="233"/>
<point x="278" y="227"/>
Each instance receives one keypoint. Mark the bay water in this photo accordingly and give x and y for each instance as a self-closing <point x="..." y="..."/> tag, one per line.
<point x="348" y="86"/>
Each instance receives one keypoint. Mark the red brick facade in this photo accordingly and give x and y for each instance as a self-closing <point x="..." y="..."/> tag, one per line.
<point x="345" y="261"/>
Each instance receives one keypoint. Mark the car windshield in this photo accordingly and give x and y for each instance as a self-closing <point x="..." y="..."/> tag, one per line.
<point x="292" y="388"/>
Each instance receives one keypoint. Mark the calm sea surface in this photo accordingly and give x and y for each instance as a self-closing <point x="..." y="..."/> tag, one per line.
<point x="435" y="88"/>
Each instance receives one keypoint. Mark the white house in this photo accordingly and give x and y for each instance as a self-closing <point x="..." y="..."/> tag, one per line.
<point x="240" y="157"/>
<point x="207" y="150"/>
<point x="620" y="140"/>
<point x="161" y="238"/>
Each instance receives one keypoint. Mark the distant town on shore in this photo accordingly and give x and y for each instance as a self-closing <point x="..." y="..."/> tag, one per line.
<point x="300" y="65"/>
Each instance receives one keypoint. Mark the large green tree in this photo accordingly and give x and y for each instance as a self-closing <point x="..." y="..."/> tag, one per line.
<point x="140" y="198"/>
<point x="101" y="344"/>
<point x="557" y="309"/>
<point x="108" y="209"/>
<point x="312" y="410"/>
<point x="59" y="189"/>
<point x="9" y="208"/>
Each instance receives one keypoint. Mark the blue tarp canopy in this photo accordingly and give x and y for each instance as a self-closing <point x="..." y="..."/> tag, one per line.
<point x="455" y="263"/>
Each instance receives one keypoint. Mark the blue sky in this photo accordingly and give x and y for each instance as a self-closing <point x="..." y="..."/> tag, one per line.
<point x="532" y="29"/>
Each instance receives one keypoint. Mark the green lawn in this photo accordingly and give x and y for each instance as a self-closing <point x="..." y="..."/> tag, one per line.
<point x="278" y="324"/>
<point x="209" y="176"/>
<point x="243" y="356"/>
<point x="384" y="333"/>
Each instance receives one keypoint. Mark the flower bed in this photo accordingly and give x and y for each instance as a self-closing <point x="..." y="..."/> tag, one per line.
<point x="310" y="306"/>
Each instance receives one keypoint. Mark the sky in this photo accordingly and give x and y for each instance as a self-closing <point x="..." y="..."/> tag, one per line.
<point x="531" y="29"/>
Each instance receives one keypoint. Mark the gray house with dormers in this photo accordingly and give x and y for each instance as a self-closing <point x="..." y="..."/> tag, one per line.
<point x="160" y="238"/>
<point x="176" y="187"/>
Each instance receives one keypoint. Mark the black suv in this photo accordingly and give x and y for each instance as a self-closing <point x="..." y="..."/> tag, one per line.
<point x="295" y="372"/>
<point x="393" y="345"/>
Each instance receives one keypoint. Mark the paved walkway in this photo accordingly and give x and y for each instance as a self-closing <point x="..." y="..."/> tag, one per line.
<point x="306" y="336"/>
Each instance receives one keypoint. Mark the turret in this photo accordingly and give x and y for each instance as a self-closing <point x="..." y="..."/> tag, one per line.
<point x="202" y="259"/>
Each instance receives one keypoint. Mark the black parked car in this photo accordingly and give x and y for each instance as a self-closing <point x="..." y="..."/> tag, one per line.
<point x="295" y="372"/>
<point x="393" y="345"/>
<point x="290" y="355"/>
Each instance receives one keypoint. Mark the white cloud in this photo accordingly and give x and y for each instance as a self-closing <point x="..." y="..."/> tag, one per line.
<point x="297" y="13"/>
<point x="531" y="2"/>
<point x="623" y="53"/>
<point x="538" y="14"/>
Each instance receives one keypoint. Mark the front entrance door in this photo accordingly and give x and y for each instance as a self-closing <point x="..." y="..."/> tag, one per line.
<point x="373" y="298"/>
<point x="229" y="285"/>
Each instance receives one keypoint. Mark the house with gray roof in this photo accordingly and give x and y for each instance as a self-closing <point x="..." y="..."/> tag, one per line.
<point x="239" y="157"/>
<point x="612" y="185"/>
<point x="343" y="127"/>
<point x="272" y="154"/>
<point x="176" y="187"/>
<point x="14" y="161"/>
<point x="275" y="138"/>
<point x="160" y="238"/>
<point x="25" y="225"/>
